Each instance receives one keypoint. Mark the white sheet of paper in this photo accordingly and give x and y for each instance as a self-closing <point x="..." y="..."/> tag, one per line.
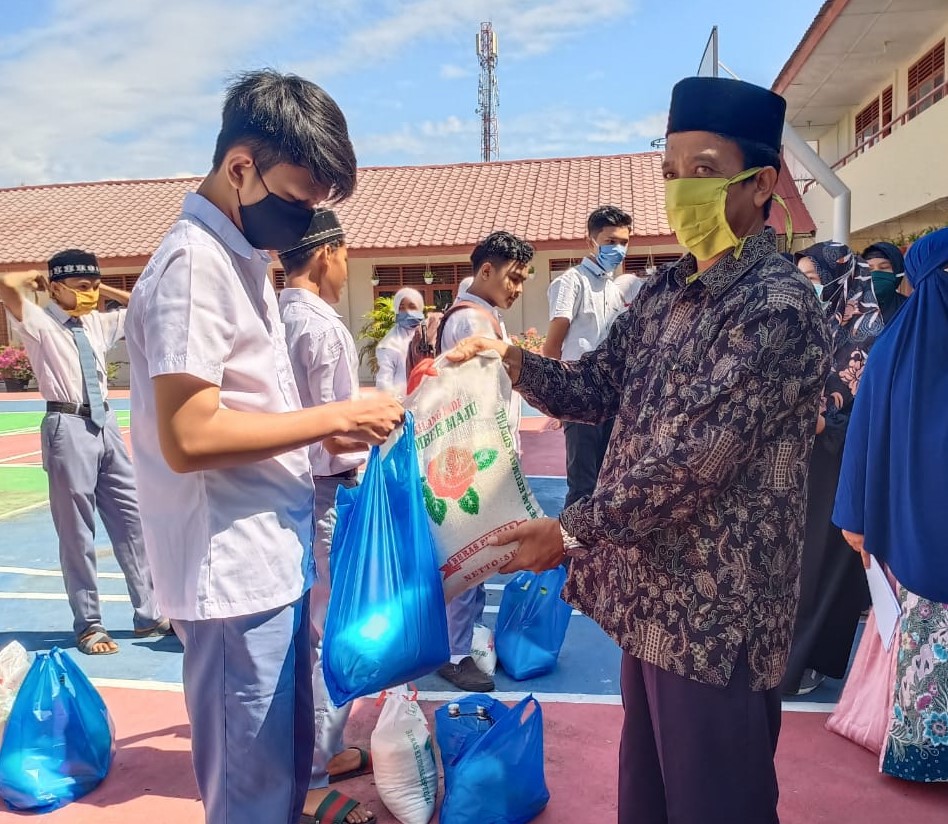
<point x="884" y="602"/>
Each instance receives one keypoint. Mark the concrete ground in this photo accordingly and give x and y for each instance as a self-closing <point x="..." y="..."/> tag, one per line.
<point x="823" y="778"/>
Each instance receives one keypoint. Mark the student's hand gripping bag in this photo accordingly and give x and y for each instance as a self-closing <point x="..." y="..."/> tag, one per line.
<point x="498" y="777"/>
<point x="385" y="623"/>
<point x="532" y="623"/>
<point x="474" y="486"/>
<point x="59" y="740"/>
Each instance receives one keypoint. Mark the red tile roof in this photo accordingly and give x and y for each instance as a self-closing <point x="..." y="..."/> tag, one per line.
<point x="395" y="209"/>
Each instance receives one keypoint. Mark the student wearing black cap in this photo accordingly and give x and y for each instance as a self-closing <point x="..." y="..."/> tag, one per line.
<point x="687" y="553"/>
<point x="326" y="367"/>
<point x="83" y="452"/>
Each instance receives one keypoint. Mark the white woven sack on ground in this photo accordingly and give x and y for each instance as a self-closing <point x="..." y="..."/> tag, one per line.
<point x="482" y="650"/>
<point x="14" y="664"/>
<point x="406" y="775"/>
<point x="474" y="486"/>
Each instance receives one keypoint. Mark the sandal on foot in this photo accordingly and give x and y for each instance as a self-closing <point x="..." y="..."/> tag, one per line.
<point x="333" y="810"/>
<point x="163" y="627"/>
<point x="364" y="768"/>
<point x="95" y="635"/>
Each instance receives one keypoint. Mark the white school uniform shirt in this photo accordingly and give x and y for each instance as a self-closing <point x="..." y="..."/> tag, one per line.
<point x="51" y="347"/>
<point x="222" y="542"/>
<point x="392" y="356"/>
<point x="587" y="297"/>
<point x="467" y="323"/>
<point x="325" y="363"/>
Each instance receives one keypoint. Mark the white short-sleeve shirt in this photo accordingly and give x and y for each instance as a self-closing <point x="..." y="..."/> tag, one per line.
<point x="470" y="322"/>
<point x="587" y="297"/>
<point x="325" y="363"/>
<point x="221" y="542"/>
<point x="51" y="347"/>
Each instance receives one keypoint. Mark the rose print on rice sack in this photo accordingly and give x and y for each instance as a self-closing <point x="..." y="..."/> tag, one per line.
<point x="450" y="476"/>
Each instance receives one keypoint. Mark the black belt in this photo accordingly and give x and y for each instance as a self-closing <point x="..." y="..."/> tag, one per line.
<point x="348" y="475"/>
<point x="81" y="409"/>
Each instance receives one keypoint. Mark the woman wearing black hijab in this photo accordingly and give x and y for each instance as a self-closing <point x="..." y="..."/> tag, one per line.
<point x="833" y="589"/>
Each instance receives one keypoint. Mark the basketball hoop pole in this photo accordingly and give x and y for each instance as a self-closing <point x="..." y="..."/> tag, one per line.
<point x="798" y="147"/>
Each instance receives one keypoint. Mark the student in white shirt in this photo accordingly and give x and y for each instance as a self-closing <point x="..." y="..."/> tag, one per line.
<point x="221" y="445"/>
<point x="325" y="363"/>
<point x="83" y="452"/>
<point x="500" y="263"/>
<point x="584" y="302"/>
<point x="392" y="351"/>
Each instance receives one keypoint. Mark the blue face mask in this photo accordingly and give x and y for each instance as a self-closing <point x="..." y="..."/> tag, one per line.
<point x="611" y="256"/>
<point x="409" y="320"/>
<point x="818" y="287"/>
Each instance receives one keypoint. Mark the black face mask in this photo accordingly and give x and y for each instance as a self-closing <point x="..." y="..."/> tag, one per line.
<point x="274" y="223"/>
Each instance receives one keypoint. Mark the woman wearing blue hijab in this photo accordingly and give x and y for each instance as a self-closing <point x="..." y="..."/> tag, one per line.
<point x="891" y="504"/>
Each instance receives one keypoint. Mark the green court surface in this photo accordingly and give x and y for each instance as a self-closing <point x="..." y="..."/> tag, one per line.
<point x="23" y="423"/>
<point x="21" y="487"/>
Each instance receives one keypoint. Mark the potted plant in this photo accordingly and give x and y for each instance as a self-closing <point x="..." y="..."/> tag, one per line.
<point x="377" y="324"/>
<point x="15" y="368"/>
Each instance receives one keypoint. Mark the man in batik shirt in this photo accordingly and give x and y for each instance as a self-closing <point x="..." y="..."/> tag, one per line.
<point x="688" y="551"/>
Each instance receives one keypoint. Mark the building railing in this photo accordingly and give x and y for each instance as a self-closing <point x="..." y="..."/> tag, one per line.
<point x="930" y="99"/>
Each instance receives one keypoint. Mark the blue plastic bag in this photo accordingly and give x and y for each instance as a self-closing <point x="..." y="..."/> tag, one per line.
<point x="59" y="740"/>
<point x="532" y="623"/>
<point x="456" y="735"/>
<point x="385" y="623"/>
<point x="497" y="777"/>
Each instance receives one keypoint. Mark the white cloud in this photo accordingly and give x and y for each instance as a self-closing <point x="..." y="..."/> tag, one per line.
<point x="525" y="28"/>
<point x="545" y="133"/>
<point x="449" y="71"/>
<point x="119" y="89"/>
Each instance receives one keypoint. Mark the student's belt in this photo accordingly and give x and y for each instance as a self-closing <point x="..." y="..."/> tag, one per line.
<point x="346" y="475"/>
<point x="81" y="409"/>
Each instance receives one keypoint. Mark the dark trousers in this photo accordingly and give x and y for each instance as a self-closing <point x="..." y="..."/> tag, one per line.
<point x="696" y="754"/>
<point x="585" y="448"/>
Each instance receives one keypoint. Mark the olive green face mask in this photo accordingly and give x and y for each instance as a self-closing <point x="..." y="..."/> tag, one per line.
<point x="695" y="209"/>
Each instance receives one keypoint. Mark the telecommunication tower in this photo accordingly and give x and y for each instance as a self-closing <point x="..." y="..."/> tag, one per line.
<point x="488" y="99"/>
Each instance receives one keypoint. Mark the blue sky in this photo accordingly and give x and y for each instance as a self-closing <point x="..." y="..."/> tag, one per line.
<point x="99" y="89"/>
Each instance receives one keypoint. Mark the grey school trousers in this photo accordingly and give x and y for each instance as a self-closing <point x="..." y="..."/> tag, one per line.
<point x="89" y="469"/>
<point x="330" y="720"/>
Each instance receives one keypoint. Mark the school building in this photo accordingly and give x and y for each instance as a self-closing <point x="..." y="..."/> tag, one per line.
<point x="406" y="226"/>
<point x="866" y="88"/>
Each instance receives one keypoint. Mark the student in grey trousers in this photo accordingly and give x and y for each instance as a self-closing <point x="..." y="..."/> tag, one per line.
<point x="83" y="452"/>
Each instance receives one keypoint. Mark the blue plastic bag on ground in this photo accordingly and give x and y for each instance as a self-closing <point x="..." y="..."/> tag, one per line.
<point x="385" y="623"/>
<point x="455" y="735"/>
<point x="532" y="623"/>
<point x="497" y="776"/>
<point x="59" y="740"/>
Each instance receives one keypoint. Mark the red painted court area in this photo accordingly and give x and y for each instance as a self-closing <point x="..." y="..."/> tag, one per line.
<point x="823" y="779"/>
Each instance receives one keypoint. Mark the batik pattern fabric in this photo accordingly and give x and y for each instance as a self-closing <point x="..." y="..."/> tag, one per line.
<point x="855" y="319"/>
<point x="916" y="747"/>
<point x="694" y="532"/>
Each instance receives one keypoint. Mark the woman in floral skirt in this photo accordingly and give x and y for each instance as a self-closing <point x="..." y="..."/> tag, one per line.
<point x="891" y="505"/>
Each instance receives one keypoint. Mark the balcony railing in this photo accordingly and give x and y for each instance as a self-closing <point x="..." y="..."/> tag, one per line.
<point x="930" y="99"/>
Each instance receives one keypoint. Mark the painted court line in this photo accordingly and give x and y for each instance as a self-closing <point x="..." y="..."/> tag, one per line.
<point x="24" y="510"/>
<point x="54" y="596"/>
<point x="443" y="697"/>
<point x="16" y="457"/>
<point x="52" y="573"/>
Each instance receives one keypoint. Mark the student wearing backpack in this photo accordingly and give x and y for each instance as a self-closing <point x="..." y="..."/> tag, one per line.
<point x="392" y="350"/>
<point x="584" y="302"/>
<point x="500" y="263"/>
